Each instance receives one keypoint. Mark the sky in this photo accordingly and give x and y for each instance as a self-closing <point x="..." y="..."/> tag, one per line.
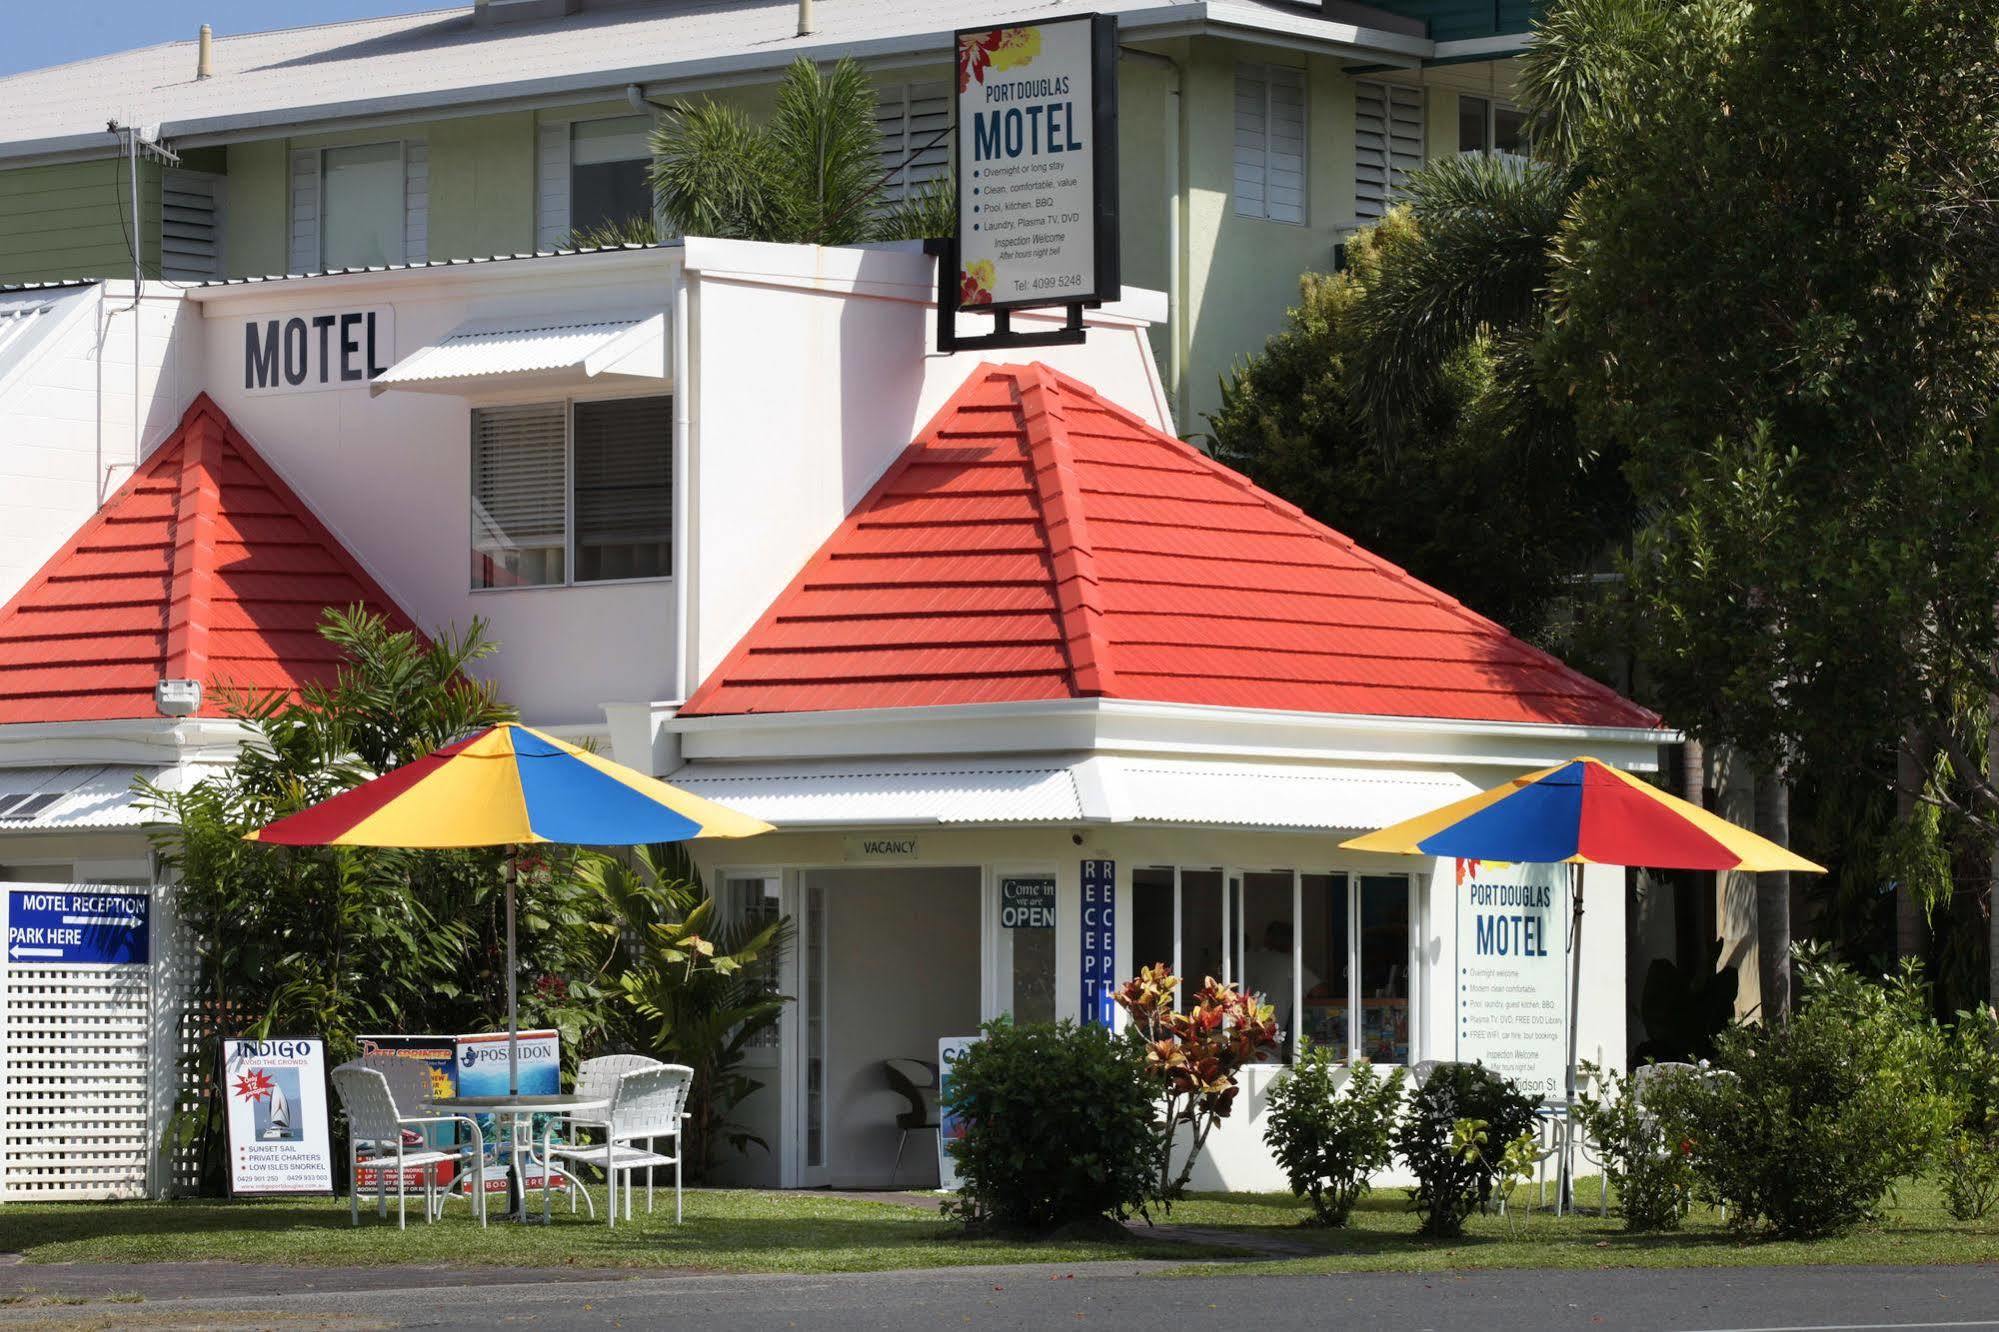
<point x="39" y="33"/>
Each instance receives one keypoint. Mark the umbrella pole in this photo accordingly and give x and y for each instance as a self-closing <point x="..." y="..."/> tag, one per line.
<point x="513" y="992"/>
<point x="1566" y="1197"/>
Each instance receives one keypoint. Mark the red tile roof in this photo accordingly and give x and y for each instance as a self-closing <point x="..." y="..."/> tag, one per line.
<point x="203" y="566"/>
<point x="1038" y="542"/>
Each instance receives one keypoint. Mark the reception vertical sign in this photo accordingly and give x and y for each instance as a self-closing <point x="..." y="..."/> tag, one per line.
<point x="1099" y="942"/>
<point x="1512" y="981"/>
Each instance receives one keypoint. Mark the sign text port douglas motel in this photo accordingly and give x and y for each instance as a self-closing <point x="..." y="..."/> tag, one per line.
<point x="1037" y="178"/>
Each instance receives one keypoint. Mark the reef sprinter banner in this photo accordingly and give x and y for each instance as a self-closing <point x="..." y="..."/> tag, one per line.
<point x="278" y="1138"/>
<point x="1037" y="164"/>
<point x="1512" y="998"/>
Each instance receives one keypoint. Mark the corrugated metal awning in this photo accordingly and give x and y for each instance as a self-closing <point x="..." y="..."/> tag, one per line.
<point x="542" y="349"/>
<point x="54" y="799"/>
<point x="1074" y="788"/>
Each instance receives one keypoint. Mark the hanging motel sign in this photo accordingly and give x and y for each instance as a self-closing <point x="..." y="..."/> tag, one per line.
<point x="1037" y="167"/>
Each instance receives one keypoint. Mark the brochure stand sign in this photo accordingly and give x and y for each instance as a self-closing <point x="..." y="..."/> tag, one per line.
<point x="278" y="1137"/>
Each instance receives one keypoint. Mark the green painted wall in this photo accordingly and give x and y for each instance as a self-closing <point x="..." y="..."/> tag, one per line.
<point x="1456" y="20"/>
<point x="256" y="209"/>
<point x="482" y="187"/>
<point x="72" y="220"/>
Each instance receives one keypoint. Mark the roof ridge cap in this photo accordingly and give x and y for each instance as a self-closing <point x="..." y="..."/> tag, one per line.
<point x="1059" y="495"/>
<point x="192" y="573"/>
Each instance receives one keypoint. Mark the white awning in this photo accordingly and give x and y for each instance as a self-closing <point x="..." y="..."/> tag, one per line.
<point x="1074" y="788"/>
<point x="53" y="799"/>
<point x="539" y="350"/>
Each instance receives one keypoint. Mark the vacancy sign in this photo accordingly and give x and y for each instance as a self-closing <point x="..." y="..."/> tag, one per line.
<point x="1037" y="164"/>
<point x="1511" y="983"/>
<point x="70" y="926"/>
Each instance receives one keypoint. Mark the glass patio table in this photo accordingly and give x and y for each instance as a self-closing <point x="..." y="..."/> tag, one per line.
<point x="518" y="1141"/>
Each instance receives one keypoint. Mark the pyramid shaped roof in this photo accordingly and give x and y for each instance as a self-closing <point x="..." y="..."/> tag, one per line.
<point x="1039" y="542"/>
<point x="204" y="565"/>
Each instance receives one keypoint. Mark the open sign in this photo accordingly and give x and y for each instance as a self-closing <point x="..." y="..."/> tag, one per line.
<point x="1027" y="904"/>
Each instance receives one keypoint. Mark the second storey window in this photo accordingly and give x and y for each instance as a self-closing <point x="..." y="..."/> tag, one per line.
<point x="915" y="122"/>
<point x="590" y="174"/>
<point x="1270" y="142"/>
<point x="359" y="206"/>
<point x="572" y="492"/>
<point x="1487" y="126"/>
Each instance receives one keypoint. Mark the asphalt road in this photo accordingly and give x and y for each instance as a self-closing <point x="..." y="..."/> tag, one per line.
<point x="1782" y="1299"/>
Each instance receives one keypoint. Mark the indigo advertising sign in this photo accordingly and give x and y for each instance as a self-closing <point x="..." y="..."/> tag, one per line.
<point x="78" y="926"/>
<point x="278" y="1136"/>
<point x="1037" y="164"/>
<point x="1099" y="942"/>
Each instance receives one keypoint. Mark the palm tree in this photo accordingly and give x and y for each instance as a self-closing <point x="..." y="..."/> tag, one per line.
<point x="812" y="174"/>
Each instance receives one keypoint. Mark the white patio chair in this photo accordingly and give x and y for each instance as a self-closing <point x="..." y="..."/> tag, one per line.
<point x="374" y="1120"/>
<point x="596" y="1078"/>
<point x="647" y="1104"/>
<point x="410" y="1088"/>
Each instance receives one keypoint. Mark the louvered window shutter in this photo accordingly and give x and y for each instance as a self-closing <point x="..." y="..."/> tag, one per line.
<point x="305" y="210"/>
<point x="416" y="201"/>
<point x="520" y="482"/>
<point x="624" y="489"/>
<point x="910" y="116"/>
<point x="552" y="186"/>
<point x="1388" y="144"/>
<point x="190" y="226"/>
<point x="1270" y="142"/>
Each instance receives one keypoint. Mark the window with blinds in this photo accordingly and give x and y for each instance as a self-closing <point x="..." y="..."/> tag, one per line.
<point x="1270" y="142"/>
<point x="914" y="120"/>
<point x="1388" y="144"/>
<point x="520" y="483"/>
<point x="624" y="489"/>
<point x="566" y="493"/>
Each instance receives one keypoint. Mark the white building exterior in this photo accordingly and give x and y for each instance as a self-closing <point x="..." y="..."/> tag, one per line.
<point x="796" y="378"/>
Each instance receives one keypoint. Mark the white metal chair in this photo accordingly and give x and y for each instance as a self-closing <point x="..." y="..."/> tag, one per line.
<point x="596" y="1078"/>
<point x="374" y="1120"/>
<point x="647" y="1104"/>
<point x="410" y="1088"/>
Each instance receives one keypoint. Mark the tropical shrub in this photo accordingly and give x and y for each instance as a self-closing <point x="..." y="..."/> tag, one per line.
<point x="1058" y="1126"/>
<point x="1643" y="1163"/>
<point x="1510" y="1167"/>
<point x="1809" y="1123"/>
<point x="1329" y="1139"/>
<point x="1967" y="1165"/>
<point x="1192" y="1058"/>
<point x="1450" y="1182"/>
<point x="702" y="990"/>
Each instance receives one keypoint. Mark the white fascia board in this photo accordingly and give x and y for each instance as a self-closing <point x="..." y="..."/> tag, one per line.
<point x="1119" y="726"/>
<point x="161" y="741"/>
<point x="1483" y="48"/>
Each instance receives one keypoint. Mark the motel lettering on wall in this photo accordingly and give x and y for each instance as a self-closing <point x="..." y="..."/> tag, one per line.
<point x="310" y="353"/>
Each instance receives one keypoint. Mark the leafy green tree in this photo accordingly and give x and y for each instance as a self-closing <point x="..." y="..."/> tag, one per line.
<point x="1777" y="290"/>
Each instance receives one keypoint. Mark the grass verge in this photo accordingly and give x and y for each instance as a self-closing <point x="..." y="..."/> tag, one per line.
<point x="726" y="1230"/>
<point x="1914" y="1229"/>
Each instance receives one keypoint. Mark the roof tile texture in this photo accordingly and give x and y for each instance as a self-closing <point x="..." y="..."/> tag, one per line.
<point x="203" y="566"/>
<point x="1039" y="542"/>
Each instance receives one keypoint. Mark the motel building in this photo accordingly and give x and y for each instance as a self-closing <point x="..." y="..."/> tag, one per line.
<point x="1033" y="692"/>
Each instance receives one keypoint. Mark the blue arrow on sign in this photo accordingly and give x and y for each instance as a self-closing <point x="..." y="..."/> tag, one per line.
<point x="78" y="927"/>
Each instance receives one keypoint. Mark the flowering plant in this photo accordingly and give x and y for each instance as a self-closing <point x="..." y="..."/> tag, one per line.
<point x="1193" y="1056"/>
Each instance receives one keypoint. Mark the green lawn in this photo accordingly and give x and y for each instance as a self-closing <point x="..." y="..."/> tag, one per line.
<point x="732" y="1230"/>
<point x="1382" y="1237"/>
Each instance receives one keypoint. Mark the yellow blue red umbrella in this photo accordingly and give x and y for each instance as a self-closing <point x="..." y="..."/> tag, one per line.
<point x="509" y="785"/>
<point x="1583" y="812"/>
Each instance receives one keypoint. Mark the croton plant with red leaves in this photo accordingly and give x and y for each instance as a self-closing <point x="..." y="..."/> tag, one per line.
<point x="1194" y="1055"/>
